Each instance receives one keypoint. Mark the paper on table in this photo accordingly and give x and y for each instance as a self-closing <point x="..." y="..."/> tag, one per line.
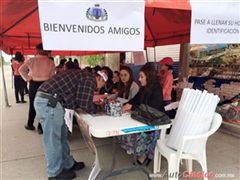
<point x="122" y="100"/>
<point x="69" y="118"/>
<point x="112" y="96"/>
<point x="171" y="106"/>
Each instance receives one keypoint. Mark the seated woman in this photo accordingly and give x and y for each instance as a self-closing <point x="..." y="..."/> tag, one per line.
<point x="127" y="87"/>
<point x="150" y="93"/>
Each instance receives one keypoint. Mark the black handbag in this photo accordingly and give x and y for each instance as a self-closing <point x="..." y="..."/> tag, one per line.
<point x="149" y="115"/>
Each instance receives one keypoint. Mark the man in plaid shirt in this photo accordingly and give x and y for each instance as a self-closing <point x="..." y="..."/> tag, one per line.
<point x="72" y="89"/>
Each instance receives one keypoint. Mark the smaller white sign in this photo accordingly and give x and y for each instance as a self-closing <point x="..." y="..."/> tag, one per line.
<point x="215" y="22"/>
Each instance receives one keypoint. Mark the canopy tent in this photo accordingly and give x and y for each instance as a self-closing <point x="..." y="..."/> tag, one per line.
<point x="166" y="22"/>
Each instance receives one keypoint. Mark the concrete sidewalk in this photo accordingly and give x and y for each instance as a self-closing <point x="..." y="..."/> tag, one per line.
<point x="22" y="155"/>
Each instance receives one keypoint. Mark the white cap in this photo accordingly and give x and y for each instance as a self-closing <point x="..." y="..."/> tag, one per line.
<point x="103" y="75"/>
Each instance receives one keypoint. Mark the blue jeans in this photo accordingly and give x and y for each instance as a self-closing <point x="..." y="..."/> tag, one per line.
<point x="57" y="152"/>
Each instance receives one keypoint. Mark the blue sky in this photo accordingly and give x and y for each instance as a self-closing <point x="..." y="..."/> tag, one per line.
<point x="214" y="46"/>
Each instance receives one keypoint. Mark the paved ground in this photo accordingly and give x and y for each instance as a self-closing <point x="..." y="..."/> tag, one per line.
<point x="22" y="154"/>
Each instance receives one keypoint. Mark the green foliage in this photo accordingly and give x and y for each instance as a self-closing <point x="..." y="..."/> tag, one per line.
<point x="95" y="60"/>
<point x="217" y="60"/>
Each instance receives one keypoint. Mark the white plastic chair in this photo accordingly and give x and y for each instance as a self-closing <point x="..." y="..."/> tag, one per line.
<point x="175" y="156"/>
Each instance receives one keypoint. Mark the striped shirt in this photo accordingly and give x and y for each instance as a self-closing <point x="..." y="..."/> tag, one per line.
<point x="74" y="89"/>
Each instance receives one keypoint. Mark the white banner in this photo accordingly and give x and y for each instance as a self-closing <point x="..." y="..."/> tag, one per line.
<point x="116" y="25"/>
<point x="215" y="21"/>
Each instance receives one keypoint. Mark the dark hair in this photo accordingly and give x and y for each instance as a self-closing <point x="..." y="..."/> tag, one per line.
<point x="76" y="64"/>
<point x="109" y="83"/>
<point x="151" y="76"/>
<point x="89" y="69"/>
<point x="169" y="67"/>
<point x="39" y="46"/>
<point x="70" y="65"/>
<point x="96" y="68"/>
<point x="40" y="49"/>
<point x="109" y="72"/>
<point x="117" y="72"/>
<point x="122" y="57"/>
<point x="125" y="88"/>
<point x="62" y="62"/>
<point x="18" y="56"/>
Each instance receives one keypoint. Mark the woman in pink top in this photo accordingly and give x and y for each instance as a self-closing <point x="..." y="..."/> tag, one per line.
<point x="19" y="83"/>
<point x="166" y="78"/>
<point x="36" y="70"/>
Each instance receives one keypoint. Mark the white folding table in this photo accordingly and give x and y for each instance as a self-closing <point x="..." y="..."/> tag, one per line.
<point x="103" y="126"/>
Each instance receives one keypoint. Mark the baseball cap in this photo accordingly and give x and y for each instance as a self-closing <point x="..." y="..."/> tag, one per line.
<point x="103" y="75"/>
<point x="166" y="60"/>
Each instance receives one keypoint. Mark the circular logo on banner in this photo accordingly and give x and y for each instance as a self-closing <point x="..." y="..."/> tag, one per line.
<point x="96" y="13"/>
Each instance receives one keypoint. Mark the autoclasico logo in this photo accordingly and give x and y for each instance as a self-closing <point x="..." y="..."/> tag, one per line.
<point x="97" y="13"/>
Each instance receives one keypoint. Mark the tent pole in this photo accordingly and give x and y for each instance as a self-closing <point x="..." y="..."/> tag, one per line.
<point x="147" y="55"/>
<point x="150" y="30"/>
<point x="11" y="65"/>
<point x="4" y="82"/>
<point x="12" y="72"/>
<point x="154" y="54"/>
<point x="184" y="61"/>
<point x="22" y="50"/>
<point x="28" y="40"/>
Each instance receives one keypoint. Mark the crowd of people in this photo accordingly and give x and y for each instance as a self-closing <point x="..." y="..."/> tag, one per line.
<point x="52" y="89"/>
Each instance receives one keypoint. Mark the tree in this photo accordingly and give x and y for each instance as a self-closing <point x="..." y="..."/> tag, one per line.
<point x="95" y="60"/>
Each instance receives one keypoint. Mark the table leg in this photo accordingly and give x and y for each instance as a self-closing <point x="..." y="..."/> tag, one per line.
<point x="163" y="134"/>
<point x="136" y="167"/>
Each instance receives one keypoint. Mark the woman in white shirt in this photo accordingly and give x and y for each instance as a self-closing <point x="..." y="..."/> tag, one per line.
<point x="127" y="87"/>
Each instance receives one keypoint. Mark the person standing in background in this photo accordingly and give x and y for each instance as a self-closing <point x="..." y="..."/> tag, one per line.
<point x="76" y="63"/>
<point x="115" y="80"/>
<point x="60" y="67"/>
<point x="40" y="68"/>
<point x="166" y="78"/>
<point x="19" y="83"/>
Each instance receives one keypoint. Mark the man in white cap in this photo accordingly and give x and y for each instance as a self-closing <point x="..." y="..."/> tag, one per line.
<point x="72" y="89"/>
